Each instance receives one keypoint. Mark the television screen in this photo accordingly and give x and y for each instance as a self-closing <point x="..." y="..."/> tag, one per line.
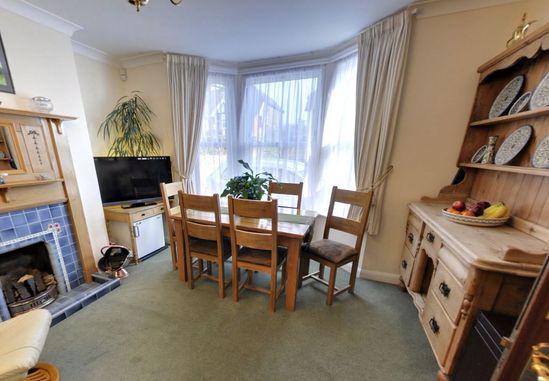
<point x="132" y="180"/>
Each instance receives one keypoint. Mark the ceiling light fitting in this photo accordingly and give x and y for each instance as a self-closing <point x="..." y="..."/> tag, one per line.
<point x="139" y="3"/>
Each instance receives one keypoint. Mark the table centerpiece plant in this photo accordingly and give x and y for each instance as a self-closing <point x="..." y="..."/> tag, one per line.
<point x="249" y="185"/>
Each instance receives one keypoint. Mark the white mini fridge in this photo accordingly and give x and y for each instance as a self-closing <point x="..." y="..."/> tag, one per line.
<point x="148" y="234"/>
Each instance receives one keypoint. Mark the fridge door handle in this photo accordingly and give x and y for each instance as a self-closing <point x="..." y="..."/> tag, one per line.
<point x="135" y="231"/>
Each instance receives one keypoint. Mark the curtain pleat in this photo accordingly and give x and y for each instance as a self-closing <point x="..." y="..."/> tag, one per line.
<point x="382" y="55"/>
<point x="187" y="78"/>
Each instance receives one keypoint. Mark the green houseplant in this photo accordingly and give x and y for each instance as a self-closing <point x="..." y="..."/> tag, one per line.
<point x="249" y="185"/>
<point x="130" y="121"/>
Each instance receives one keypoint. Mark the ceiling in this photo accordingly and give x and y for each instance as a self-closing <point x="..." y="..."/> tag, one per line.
<point x="236" y="31"/>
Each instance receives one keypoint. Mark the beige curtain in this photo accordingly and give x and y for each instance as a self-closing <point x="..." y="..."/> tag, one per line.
<point x="382" y="54"/>
<point x="187" y="77"/>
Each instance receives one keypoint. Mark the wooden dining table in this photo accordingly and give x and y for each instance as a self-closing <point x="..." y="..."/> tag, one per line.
<point x="293" y="227"/>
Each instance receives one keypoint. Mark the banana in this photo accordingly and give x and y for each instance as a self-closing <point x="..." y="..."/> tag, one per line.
<point x="497" y="210"/>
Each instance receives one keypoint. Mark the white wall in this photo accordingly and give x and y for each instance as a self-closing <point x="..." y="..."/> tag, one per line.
<point x="439" y="89"/>
<point x="42" y="63"/>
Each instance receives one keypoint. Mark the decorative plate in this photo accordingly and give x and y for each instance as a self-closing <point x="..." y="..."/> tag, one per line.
<point x="477" y="156"/>
<point x="521" y="103"/>
<point x="514" y="143"/>
<point x="474" y="221"/>
<point x="506" y="96"/>
<point x="541" y="156"/>
<point x="540" y="96"/>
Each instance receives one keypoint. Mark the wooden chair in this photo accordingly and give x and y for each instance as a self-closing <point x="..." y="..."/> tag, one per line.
<point x="335" y="254"/>
<point x="292" y="189"/>
<point x="254" y="247"/>
<point x="203" y="238"/>
<point x="170" y="190"/>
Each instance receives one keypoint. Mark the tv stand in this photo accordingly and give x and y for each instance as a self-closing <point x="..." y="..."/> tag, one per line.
<point x="141" y="228"/>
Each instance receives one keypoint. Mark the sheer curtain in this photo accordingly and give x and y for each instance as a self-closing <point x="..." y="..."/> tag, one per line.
<point x="279" y="124"/>
<point x="217" y="149"/>
<point x="336" y="163"/>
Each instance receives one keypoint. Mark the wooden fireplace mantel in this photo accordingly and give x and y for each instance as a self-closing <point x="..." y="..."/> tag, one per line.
<point x="38" y="170"/>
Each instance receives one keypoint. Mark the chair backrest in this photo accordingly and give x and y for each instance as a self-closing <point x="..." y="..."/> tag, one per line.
<point x="248" y="230"/>
<point x="196" y="215"/>
<point x="294" y="189"/>
<point x="169" y="190"/>
<point x="362" y="200"/>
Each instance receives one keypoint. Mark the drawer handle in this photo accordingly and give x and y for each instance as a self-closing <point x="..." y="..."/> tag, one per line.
<point x="142" y="214"/>
<point x="444" y="289"/>
<point x="404" y="264"/>
<point x="434" y="325"/>
<point x="411" y="237"/>
<point x="430" y="237"/>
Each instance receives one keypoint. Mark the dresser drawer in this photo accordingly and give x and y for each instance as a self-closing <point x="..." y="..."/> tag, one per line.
<point x="412" y="238"/>
<point x="448" y="291"/>
<point x="141" y="215"/>
<point x="431" y="242"/>
<point x="406" y="265"/>
<point x="438" y="327"/>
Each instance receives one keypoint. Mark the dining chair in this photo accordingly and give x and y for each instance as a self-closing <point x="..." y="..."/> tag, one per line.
<point x="203" y="237"/>
<point x="334" y="254"/>
<point x="292" y="189"/>
<point x="169" y="190"/>
<point x="254" y="246"/>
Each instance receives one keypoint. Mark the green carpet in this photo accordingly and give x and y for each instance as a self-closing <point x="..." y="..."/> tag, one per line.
<point x="154" y="328"/>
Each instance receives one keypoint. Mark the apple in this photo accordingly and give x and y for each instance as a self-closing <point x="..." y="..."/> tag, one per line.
<point x="468" y="213"/>
<point x="477" y="210"/>
<point x="483" y="204"/>
<point x="459" y="206"/>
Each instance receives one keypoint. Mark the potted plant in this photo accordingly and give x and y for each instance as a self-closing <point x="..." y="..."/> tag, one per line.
<point x="249" y="185"/>
<point x="130" y="120"/>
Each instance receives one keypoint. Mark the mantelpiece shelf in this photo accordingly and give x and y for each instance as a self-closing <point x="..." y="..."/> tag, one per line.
<point x="508" y="168"/>
<point x="511" y="118"/>
<point x="4" y="188"/>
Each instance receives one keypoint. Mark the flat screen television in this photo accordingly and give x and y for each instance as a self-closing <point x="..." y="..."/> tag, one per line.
<point x="132" y="181"/>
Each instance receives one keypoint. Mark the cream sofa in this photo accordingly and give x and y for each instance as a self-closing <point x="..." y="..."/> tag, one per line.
<point x="21" y="341"/>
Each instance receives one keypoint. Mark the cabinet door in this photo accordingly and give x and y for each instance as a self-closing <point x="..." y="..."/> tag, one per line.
<point x="448" y="291"/>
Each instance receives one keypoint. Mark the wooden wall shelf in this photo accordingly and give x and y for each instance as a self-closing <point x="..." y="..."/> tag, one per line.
<point x="511" y="118"/>
<point x="4" y="188"/>
<point x="508" y="168"/>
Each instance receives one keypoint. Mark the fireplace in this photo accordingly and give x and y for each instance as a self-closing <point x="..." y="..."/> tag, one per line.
<point x="27" y="280"/>
<point x="38" y="258"/>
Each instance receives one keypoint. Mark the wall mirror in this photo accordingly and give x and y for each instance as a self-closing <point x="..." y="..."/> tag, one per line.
<point x="10" y="156"/>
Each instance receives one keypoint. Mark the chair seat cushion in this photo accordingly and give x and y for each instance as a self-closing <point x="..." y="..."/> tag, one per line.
<point x="332" y="251"/>
<point x="22" y="339"/>
<point x="207" y="247"/>
<point x="260" y="257"/>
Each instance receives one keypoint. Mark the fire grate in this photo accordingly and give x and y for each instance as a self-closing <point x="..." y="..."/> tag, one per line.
<point x="39" y="301"/>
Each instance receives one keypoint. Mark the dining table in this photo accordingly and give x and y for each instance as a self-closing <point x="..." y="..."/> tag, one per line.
<point x="294" y="226"/>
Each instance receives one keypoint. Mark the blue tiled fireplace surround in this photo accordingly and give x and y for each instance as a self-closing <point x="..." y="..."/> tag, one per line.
<point x="26" y="222"/>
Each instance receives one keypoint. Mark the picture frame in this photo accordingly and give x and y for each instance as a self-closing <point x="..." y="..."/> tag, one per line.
<point x="6" y="83"/>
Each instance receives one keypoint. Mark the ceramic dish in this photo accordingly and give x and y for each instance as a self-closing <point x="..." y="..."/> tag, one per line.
<point x="540" y="96"/>
<point x="512" y="146"/>
<point x="541" y="155"/>
<point x="506" y="96"/>
<point x="521" y="103"/>
<point x="474" y="221"/>
<point x="479" y="154"/>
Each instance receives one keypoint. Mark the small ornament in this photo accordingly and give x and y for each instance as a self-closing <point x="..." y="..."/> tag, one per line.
<point x="520" y="31"/>
<point x="488" y="157"/>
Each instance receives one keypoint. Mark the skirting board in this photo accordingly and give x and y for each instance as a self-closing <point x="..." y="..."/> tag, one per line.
<point x="380" y="276"/>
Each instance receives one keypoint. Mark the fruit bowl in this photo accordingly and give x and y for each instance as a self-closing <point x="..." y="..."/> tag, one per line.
<point x="474" y="221"/>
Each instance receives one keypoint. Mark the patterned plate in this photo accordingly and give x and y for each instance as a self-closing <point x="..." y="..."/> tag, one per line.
<point x="514" y="143"/>
<point x="521" y="103"/>
<point x="541" y="156"/>
<point x="477" y="156"/>
<point x="540" y="96"/>
<point x="506" y="96"/>
<point x="474" y="221"/>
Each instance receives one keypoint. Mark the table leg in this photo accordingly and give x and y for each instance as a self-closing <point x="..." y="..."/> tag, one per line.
<point x="294" y="249"/>
<point x="181" y="265"/>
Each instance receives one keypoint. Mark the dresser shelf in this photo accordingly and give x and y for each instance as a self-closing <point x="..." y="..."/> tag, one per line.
<point x="508" y="168"/>
<point x="511" y="118"/>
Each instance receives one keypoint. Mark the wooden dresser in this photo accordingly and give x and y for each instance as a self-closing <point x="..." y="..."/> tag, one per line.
<point x="453" y="271"/>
